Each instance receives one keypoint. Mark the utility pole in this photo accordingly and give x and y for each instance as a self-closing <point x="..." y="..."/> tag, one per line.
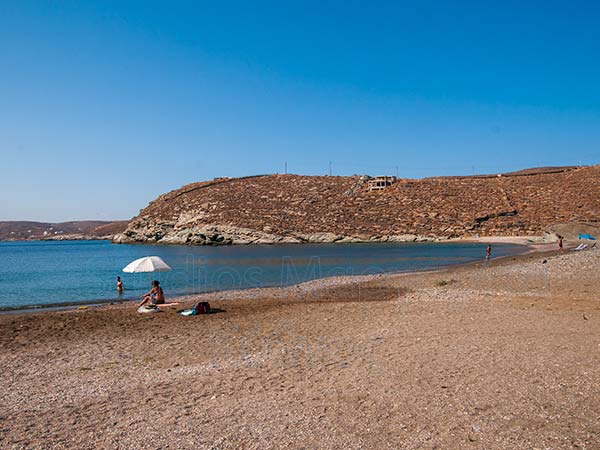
<point x="329" y="168"/>
<point x="286" y="167"/>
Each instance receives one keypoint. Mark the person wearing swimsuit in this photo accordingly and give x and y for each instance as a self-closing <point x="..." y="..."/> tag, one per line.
<point x="155" y="296"/>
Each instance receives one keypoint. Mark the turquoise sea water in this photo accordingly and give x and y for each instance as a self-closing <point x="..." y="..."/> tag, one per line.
<point x="47" y="273"/>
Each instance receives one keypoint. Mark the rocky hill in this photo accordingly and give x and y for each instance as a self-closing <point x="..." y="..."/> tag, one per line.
<point x="292" y="208"/>
<point x="85" y="229"/>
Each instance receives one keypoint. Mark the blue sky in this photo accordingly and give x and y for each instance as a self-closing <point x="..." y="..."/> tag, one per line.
<point x="105" y="105"/>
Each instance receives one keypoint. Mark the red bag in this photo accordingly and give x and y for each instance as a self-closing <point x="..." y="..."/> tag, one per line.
<point x="203" y="308"/>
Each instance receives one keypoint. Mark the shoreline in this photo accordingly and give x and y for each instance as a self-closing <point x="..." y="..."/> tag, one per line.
<point x="392" y="239"/>
<point x="460" y="357"/>
<point x="532" y="247"/>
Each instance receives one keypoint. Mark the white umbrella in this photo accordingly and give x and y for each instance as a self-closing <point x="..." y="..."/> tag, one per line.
<point x="147" y="264"/>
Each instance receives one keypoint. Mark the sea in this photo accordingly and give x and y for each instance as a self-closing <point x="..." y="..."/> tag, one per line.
<point x="59" y="273"/>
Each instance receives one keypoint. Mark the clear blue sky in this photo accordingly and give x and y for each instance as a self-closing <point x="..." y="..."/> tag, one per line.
<point x="104" y="105"/>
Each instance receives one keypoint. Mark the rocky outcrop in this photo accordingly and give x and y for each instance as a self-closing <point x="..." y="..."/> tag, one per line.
<point x="298" y="209"/>
<point x="228" y="235"/>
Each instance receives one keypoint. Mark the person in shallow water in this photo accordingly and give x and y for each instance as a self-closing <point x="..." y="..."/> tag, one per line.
<point x="119" y="285"/>
<point x="155" y="296"/>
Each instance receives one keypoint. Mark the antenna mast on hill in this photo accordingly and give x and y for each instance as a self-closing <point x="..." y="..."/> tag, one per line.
<point x="329" y="168"/>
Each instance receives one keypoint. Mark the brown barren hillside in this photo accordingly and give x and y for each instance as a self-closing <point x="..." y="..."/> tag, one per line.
<point x="292" y="208"/>
<point x="84" y="229"/>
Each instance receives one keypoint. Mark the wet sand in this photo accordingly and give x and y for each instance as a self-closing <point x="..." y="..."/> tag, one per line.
<point x="503" y="354"/>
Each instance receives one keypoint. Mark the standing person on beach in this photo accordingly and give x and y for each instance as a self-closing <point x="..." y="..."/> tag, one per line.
<point x="488" y="252"/>
<point x="560" y="243"/>
<point x="120" y="287"/>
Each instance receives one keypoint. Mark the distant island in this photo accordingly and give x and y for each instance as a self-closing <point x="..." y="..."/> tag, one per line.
<point x="270" y="209"/>
<point x="77" y="230"/>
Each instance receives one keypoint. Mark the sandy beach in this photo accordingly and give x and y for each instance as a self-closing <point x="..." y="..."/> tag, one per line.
<point x="500" y="354"/>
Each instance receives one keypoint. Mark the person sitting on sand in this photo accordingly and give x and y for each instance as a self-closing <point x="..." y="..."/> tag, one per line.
<point x="119" y="285"/>
<point x="155" y="296"/>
